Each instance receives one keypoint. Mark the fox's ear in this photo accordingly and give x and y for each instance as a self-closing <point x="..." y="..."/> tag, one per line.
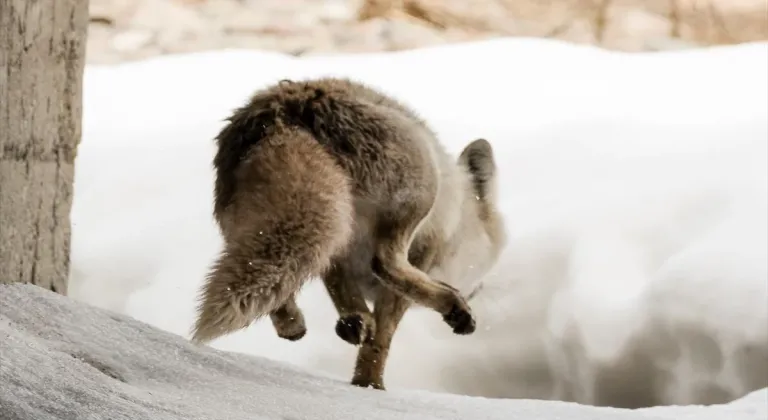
<point x="477" y="157"/>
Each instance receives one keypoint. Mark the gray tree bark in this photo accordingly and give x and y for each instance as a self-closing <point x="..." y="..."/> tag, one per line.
<point x="42" y="58"/>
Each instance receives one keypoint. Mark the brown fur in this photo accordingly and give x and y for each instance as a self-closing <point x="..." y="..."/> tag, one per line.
<point x="330" y="178"/>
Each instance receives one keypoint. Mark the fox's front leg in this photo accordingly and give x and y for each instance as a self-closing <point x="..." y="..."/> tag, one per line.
<point x="388" y="310"/>
<point x="288" y="321"/>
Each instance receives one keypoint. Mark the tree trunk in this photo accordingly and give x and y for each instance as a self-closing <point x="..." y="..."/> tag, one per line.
<point x="42" y="57"/>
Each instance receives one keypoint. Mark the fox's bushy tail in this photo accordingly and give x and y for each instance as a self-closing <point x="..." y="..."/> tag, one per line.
<point x="290" y="212"/>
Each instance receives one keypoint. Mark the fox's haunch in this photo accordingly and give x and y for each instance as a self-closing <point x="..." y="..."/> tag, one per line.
<point x="289" y="214"/>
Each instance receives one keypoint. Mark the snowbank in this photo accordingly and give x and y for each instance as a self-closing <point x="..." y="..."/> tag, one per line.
<point x="636" y="188"/>
<point x="67" y="360"/>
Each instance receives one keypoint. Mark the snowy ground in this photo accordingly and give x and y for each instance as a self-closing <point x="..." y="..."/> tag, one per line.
<point x="72" y="361"/>
<point x="635" y="187"/>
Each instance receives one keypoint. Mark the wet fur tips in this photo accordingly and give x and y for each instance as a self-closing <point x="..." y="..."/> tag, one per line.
<point x="330" y="178"/>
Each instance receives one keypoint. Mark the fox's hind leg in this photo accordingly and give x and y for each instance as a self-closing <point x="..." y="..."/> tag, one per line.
<point x="356" y="324"/>
<point x="288" y="320"/>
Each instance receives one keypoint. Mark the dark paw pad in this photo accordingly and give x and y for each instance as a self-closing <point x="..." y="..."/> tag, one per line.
<point x="352" y="329"/>
<point x="460" y="320"/>
<point x="294" y="335"/>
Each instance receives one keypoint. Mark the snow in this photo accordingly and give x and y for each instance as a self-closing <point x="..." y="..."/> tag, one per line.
<point x="74" y="361"/>
<point x="635" y="188"/>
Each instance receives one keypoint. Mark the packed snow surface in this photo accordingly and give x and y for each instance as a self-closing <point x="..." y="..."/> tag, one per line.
<point x="61" y="359"/>
<point x="635" y="188"/>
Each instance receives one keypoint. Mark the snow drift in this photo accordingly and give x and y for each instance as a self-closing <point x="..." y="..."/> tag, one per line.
<point x="60" y="359"/>
<point x="635" y="188"/>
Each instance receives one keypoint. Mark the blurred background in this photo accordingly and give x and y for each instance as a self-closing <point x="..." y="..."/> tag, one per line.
<point x="124" y="30"/>
<point x="622" y="286"/>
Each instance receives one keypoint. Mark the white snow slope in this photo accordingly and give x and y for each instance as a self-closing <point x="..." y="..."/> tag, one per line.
<point x="63" y="360"/>
<point x="635" y="189"/>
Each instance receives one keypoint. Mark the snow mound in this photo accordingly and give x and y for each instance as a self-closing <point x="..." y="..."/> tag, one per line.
<point x="635" y="188"/>
<point x="61" y="359"/>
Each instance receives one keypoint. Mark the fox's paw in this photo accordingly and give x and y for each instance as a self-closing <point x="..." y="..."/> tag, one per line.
<point x="292" y="332"/>
<point x="459" y="317"/>
<point x="368" y="383"/>
<point x="289" y="326"/>
<point x="293" y="335"/>
<point x="356" y="328"/>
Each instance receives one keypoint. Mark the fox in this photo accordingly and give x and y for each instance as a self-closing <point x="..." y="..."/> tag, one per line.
<point x="331" y="178"/>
